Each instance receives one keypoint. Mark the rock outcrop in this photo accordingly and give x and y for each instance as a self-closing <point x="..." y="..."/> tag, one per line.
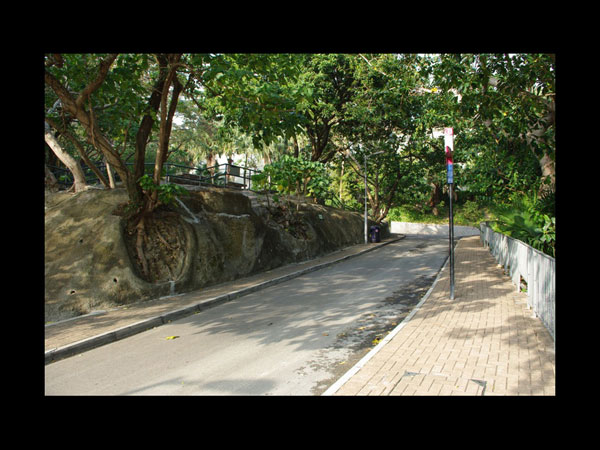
<point x="222" y="235"/>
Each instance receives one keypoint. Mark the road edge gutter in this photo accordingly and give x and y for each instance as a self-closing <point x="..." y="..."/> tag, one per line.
<point x="331" y="390"/>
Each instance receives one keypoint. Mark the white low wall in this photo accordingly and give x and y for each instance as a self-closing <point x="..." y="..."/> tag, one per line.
<point x="431" y="229"/>
<point x="521" y="260"/>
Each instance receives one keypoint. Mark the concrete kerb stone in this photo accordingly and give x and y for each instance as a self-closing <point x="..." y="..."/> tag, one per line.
<point x="108" y="337"/>
<point x="354" y="369"/>
<point x="79" y="346"/>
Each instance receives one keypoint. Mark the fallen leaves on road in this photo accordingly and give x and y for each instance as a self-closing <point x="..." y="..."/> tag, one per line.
<point x="170" y="338"/>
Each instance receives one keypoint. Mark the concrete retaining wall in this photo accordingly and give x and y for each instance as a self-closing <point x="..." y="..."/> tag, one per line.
<point x="431" y="229"/>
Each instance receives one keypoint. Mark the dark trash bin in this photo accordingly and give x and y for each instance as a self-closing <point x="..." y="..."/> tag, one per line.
<point x="375" y="233"/>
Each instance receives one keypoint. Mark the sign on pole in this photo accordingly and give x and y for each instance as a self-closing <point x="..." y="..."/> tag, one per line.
<point x="449" y="148"/>
<point x="449" y="145"/>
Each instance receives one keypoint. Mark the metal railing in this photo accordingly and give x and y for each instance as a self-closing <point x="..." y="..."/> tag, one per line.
<point x="523" y="262"/>
<point x="223" y="175"/>
<point x="226" y="175"/>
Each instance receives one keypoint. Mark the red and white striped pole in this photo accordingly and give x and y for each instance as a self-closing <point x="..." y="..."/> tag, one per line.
<point x="449" y="148"/>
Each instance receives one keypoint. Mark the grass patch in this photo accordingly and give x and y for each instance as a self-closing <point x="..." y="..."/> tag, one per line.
<point x="469" y="213"/>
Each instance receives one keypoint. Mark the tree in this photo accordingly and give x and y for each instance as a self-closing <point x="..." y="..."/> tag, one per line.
<point x="255" y="92"/>
<point x="380" y="117"/>
<point x="510" y="102"/>
<point x="282" y="96"/>
<point x="78" y="79"/>
<point x="196" y="135"/>
<point x="335" y="100"/>
<point x="341" y="106"/>
<point x="329" y="80"/>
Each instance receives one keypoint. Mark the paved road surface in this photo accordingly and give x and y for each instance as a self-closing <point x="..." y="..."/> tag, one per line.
<point x="295" y="338"/>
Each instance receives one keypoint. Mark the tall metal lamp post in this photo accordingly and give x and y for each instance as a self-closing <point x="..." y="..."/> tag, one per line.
<point x="373" y="154"/>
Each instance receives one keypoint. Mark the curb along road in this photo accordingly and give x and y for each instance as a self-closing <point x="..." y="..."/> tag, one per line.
<point x="339" y="383"/>
<point x="80" y="346"/>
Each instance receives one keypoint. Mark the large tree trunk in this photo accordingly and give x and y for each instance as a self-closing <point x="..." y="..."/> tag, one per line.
<point x="547" y="164"/>
<point x="145" y="129"/>
<point x="166" y="120"/>
<point x="51" y="183"/>
<point x="67" y="160"/>
<point x="318" y="134"/>
<point x="151" y="201"/>
<point x="145" y="202"/>
<point x="436" y="197"/>
<point x="82" y="153"/>
<point x="548" y="173"/>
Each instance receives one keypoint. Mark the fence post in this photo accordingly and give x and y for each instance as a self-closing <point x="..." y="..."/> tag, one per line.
<point x="538" y="294"/>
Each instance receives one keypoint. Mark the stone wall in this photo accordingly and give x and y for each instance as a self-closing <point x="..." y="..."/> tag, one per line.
<point x="229" y="234"/>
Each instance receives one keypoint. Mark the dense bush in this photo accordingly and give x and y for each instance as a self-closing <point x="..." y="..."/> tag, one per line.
<point x="529" y="219"/>
<point x="290" y="175"/>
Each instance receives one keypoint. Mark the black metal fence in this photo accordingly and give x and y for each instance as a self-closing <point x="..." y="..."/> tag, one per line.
<point x="225" y="175"/>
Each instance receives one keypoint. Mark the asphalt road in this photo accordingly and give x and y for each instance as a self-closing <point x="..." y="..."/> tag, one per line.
<point x="295" y="338"/>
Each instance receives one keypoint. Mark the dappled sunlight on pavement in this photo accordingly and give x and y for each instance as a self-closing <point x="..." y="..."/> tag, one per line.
<point x="484" y="342"/>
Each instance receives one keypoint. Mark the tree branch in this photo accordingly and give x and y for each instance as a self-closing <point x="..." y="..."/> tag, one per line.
<point x="371" y="65"/>
<point x="84" y="118"/>
<point x="102" y="72"/>
<point x="166" y="116"/>
<point x="82" y="153"/>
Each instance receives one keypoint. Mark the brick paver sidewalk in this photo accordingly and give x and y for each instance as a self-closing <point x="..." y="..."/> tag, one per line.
<point x="484" y="342"/>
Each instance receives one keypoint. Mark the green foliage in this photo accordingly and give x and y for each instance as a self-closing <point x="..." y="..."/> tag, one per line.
<point x="412" y="213"/>
<point x="118" y="103"/>
<point x="469" y="213"/>
<point x="528" y="219"/>
<point x="166" y="192"/>
<point x="507" y="107"/>
<point x="294" y="175"/>
<point x="257" y="93"/>
<point x="339" y="107"/>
